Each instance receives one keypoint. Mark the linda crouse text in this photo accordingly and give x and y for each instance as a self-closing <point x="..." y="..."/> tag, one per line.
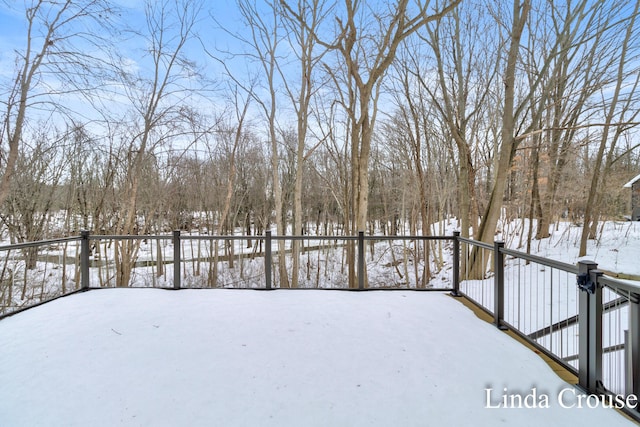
<point x="566" y="398"/>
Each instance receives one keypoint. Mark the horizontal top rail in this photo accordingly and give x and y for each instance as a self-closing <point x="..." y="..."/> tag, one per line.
<point x="353" y="238"/>
<point x="475" y="243"/>
<point x="131" y="237"/>
<point x="259" y="237"/>
<point x="620" y="284"/>
<point x="527" y="257"/>
<point x="264" y="237"/>
<point x="26" y="245"/>
<point x="370" y="237"/>
<point x="540" y="260"/>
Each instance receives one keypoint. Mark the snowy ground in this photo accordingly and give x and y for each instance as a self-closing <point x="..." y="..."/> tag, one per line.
<point x="615" y="249"/>
<point x="148" y="357"/>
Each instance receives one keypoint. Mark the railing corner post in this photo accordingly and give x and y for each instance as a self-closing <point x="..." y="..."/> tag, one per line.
<point x="587" y="335"/>
<point x="498" y="291"/>
<point x="177" y="261"/>
<point x="267" y="258"/>
<point x="456" y="264"/>
<point x="85" y="250"/>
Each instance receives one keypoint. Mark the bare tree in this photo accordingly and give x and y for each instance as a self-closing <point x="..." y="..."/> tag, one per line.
<point x="413" y="122"/>
<point x="571" y="84"/>
<point x="58" y="59"/>
<point x="564" y="60"/>
<point x="157" y="107"/>
<point x="304" y="44"/>
<point x="32" y="198"/>
<point x="508" y="141"/>
<point x="466" y="68"/>
<point x="367" y="42"/>
<point x="233" y="137"/>
<point x="264" y="39"/>
<point x="620" y="106"/>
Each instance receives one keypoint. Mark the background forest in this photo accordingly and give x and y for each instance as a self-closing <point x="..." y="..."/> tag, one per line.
<point x="316" y="116"/>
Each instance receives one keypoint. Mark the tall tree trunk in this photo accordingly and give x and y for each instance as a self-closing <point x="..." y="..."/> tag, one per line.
<point x="591" y="213"/>
<point x="487" y="229"/>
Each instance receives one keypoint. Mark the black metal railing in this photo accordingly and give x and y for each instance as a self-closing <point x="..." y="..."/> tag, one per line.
<point x="37" y="272"/>
<point x="584" y="320"/>
<point x="33" y="273"/>
<point x="587" y="322"/>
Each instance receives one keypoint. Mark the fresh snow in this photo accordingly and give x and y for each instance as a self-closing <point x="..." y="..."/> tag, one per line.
<point x="150" y="357"/>
<point x="615" y="249"/>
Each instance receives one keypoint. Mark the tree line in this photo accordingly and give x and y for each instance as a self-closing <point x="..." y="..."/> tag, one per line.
<point x="317" y="116"/>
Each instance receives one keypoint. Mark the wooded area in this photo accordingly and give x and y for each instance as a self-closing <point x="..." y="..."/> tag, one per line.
<point x="317" y="117"/>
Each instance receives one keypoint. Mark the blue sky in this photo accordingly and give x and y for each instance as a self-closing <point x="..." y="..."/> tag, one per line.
<point x="13" y="23"/>
<point x="13" y="33"/>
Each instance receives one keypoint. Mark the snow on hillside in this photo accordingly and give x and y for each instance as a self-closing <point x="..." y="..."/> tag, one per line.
<point x="616" y="249"/>
<point x="148" y="357"/>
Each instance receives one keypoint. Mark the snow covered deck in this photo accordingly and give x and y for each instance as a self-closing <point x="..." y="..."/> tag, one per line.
<point x="149" y="357"/>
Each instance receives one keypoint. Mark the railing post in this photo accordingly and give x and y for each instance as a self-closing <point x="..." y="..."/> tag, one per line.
<point x="456" y="264"/>
<point x="632" y="347"/>
<point x="595" y="335"/>
<point x="498" y="290"/>
<point x="360" y="260"/>
<point x="177" y="262"/>
<point x="267" y="258"/>
<point x="84" y="259"/>
<point x="589" y="327"/>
